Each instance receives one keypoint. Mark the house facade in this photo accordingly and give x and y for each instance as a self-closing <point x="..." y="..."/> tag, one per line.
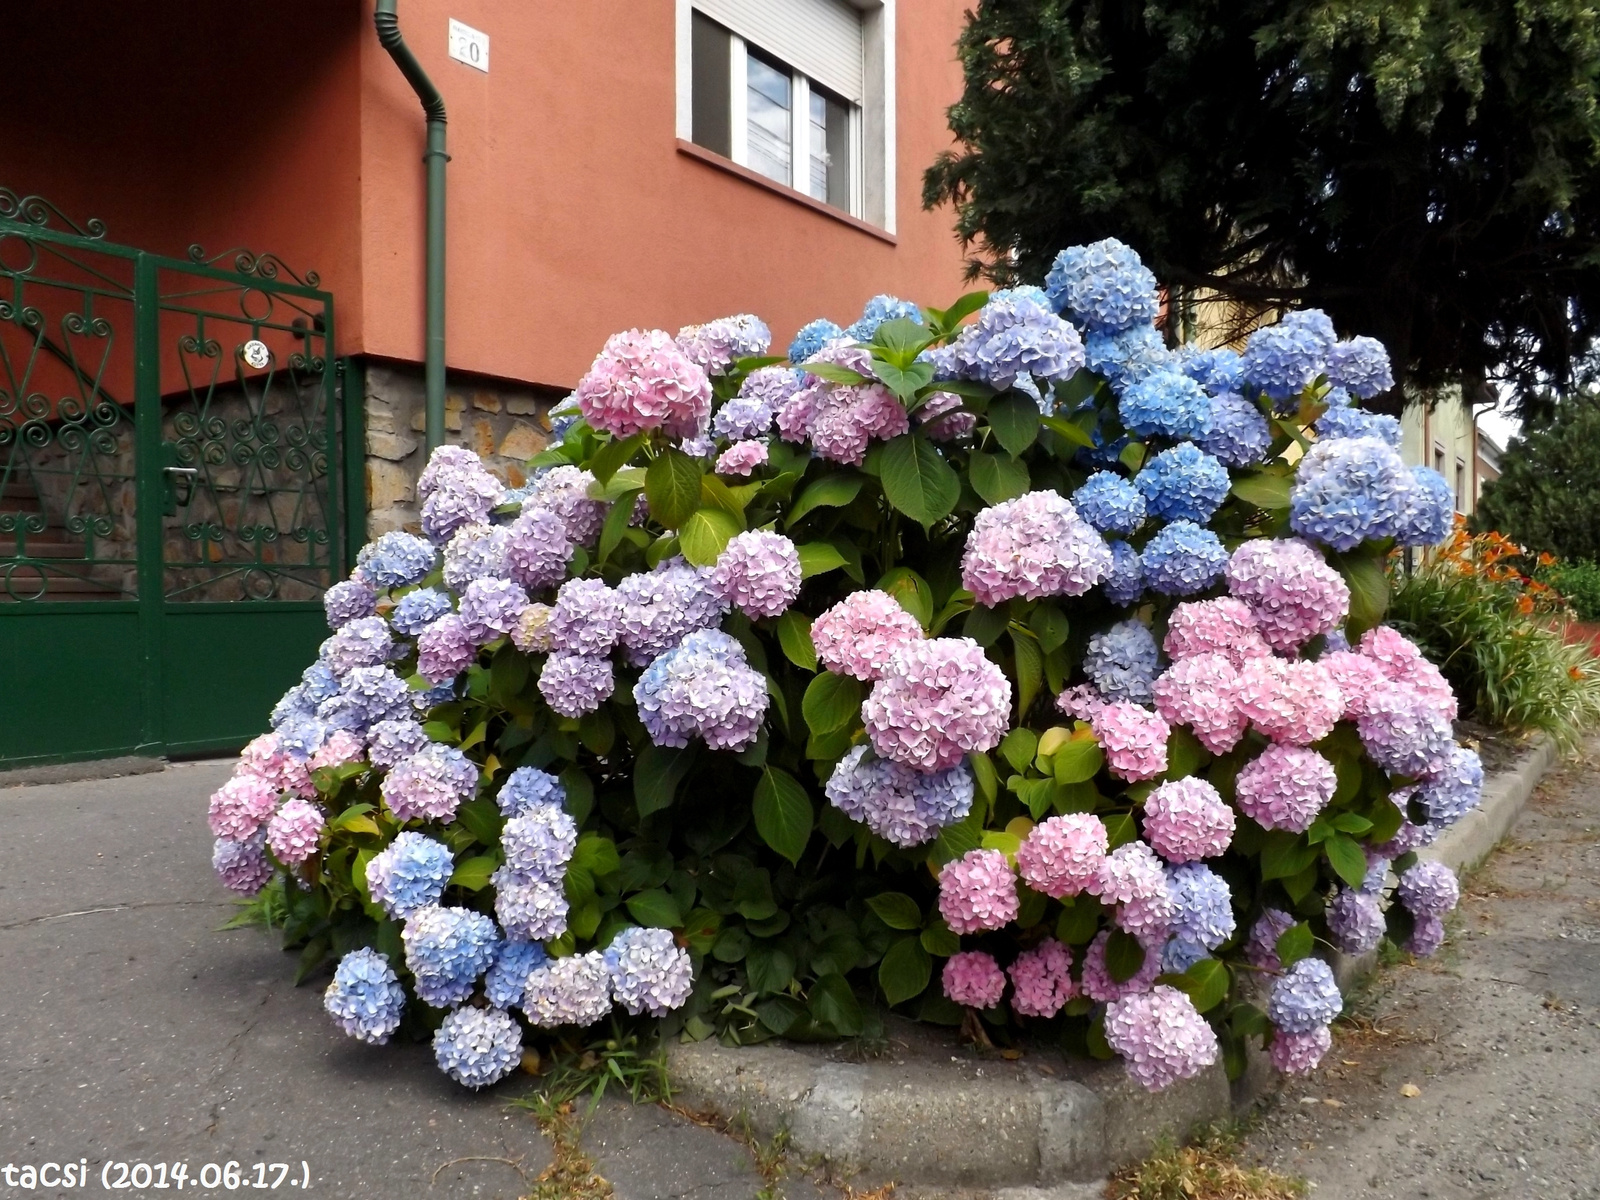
<point x="614" y="164"/>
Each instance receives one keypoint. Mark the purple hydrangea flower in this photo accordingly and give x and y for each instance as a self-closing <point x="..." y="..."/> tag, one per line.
<point x="1033" y="546"/>
<point x="702" y="687"/>
<point x="1261" y="949"/>
<point x="1403" y="733"/>
<point x="346" y="601"/>
<point x="1455" y="789"/>
<point x="650" y="972"/>
<point x="1133" y="882"/>
<point x="478" y="1046"/>
<point x="1183" y="559"/>
<point x="490" y="608"/>
<point x="715" y="346"/>
<point x="758" y="573"/>
<point x="1110" y="503"/>
<point x="390" y="742"/>
<point x="533" y="910"/>
<point x="1304" y="997"/>
<point x="1292" y="593"/>
<point x="1429" y="889"/>
<point x="1160" y="1036"/>
<point x="574" y="685"/>
<point x="363" y="642"/>
<point x="537" y="549"/>
<point x="431" y="784"/>
<point x="660" y="607"/>
<point x="904" y="806"/>
<point x="409" y="873"/>
<point x="242" y="866"/>
<point x="475" y="552"/>
<point x="568" y="991"/>
<point x="587" y="619"/>
<point x="565" y="492"/>
<point x="1299" y="1053"/>
<point x="1427" y="935"/>
<point x="365" y="998"/>
<point x="749" y="414"/>
<point x="445" y="649"/>
<point x="1355" y="919"/>
<point x="1098" y="984"/>
<point x="539" y="843"/>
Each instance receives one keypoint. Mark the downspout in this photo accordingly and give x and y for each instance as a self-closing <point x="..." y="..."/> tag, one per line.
<point x="387" y="23"/>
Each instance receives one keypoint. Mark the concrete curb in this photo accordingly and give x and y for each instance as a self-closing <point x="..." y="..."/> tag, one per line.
<point x="77" y="772"/>
<point x="1023" y="1128"/>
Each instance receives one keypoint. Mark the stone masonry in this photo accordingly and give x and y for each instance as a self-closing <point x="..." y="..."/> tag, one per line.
<point x="506" y="424"/>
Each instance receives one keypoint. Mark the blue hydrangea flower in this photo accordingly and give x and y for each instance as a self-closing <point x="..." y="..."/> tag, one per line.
<point x="1103" y="286"/>
<point x="943" y="359"/>
<point x="1110" y="503"/>
<point x="409" y="873"/>
<point x="1124" y="583"/>
<point x="1283" y="359"/>
<point x="1218" y="371"/>
<point x="503" y="985"/>
<point x="1361" y="367"/>
<point x="1024" y="291"/>
<point x="1202" y="903"/>
<point x="1453" y="792"/>
<point x="478" y="1046"/>
<point x="1428" y="513"/>
<point x="1126" y="358"/>
<point x="365" y="997"/>
<point x="301" y="736"/>
<point x="1183" y="559"/>
<point x="563" y="416"/>
<point x="364" y="642"/>
<point x="1240" y="435"/>
<point x="531" y="910"/>
<point x="1347" y="491"/>
<point x="294" y="704"/>
<point x="813" y="337"/>
<point x="1354" y="422"/>
<point x="1304" y="998"/>
<point x="528" y="788"/>
<point x="319" y="682"/>
<point x="899" y="804"/>
<point x="1165" y="404"/>
<point x="539" y="843"/>
<point x="879" y="309"/>
<point x="416" y="610"/>
<point x="447" y="950"/>
<point x="1179" y="954"/>
<point x="1183" y="484"/>
<point x="431" y="698"/>
<point x="1013" y="338"/>
<point x="396" y="559"/>
<point x="1122" y="662"/>
<point x="650" y="973"/>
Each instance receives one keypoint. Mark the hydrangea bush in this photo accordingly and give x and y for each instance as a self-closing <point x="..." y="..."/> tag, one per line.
<point x="995" y="665"/>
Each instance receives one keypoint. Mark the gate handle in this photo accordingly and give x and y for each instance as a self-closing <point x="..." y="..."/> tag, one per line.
<point x="173" y="495"/>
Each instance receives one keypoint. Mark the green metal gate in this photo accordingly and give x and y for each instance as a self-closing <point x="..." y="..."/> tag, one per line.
<point x="176" y="477"/>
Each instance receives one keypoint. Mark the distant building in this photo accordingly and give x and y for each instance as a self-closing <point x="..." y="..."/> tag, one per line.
<point x="1446" y="437"/>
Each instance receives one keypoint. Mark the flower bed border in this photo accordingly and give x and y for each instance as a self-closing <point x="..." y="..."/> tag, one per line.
<point x="992" y="1123"/>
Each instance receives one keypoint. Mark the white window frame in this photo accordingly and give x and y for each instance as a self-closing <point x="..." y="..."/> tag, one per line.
<point x="872" y="122"/>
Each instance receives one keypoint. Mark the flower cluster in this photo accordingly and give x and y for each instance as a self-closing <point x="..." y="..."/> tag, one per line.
<point x="901" y="805"/>
<point x="1036" y="545"/>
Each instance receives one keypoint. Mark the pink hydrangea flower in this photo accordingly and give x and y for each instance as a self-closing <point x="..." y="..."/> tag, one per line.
<point x="241" y="806"/>
<point x="641" y="380"/>
<point x="1061" y="856"/>
<point x="1033" y="546"/>
<point x="974" y="979"/>
<point x="1186" y="820"/>
<point x="266" y="758"/>
<point x="1285" y="787"/>
<point x="1223" y="626"/>
<point x="944" y="418"/>
<point x="342" y="747"/>
<point x="1097" y="982"/>
<point x="1202" y="692"/>
<point x="857" y="636"/>
<point x="1299" y="1053"/>
<point x="1293" y="594"/>
<point x="1134" y="739"/>
<point x="294" y="831"/>
<point x="1293" y="702"/>
<point x="741" y="458"/>
<point x="1041" y="980"/>
<point x="758" y="573"/>
<point x="937" y="701"/>
<point x="1133" y="880"/>
<point x="977" y="892"/>
<point x="1402" y="662"/>
<point x="848" y="417"/>
<point x="1356" y="676"/>
<point x="1161" y="1037"/>
<point x="796" y="414"/>
<point x="1081" y="702"/>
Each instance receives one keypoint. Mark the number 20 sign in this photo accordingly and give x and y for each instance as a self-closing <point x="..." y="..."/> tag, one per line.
<point x="469" y="45"/>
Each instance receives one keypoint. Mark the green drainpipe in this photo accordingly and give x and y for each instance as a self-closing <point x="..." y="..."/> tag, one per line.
<point x="388" y="25"/>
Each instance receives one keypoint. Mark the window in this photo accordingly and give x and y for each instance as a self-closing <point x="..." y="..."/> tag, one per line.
<point x="1461" y="486"/>
<point x="796" y="91"/>
<point x="1438" y="458"/>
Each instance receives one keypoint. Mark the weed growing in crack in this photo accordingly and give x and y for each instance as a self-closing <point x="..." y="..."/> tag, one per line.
<point x="1205" y="1169"/>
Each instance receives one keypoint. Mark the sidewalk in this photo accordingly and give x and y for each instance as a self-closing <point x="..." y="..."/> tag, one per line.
<point x="1500" y="1034"/>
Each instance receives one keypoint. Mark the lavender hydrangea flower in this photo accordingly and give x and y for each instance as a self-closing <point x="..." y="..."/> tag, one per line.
<point x="574" y="685"/>
<point x="396" y="559"/>
<point x="390" y="742"/>
<point x="1124" y="582"/>
<point x="1455" y="789"/>
<point x="1110" y="503"/>
<point x="504" y="983"/>
<point x="1183" y="559"/>
<point x="365" y="998"/>
<point x="749" y="414"/>
<point x="431" y="784"/>
<point x="1299" y="1053"/>
<point x="717" y="345"/>
<point x="416" y="610"/>
<point x="527" y="789"/>
<point x="1122" y="662"/>
<point x="650" y="972"/>
<point x="447" y="950"/>
<point x="1219" y="371"/>
<point x="347" y="600"/>
<point x="490" y="608"/>
<point x="568" y="991"/>
<point x="812" y="337"/>
<point x="409" y="873"/>
<point x="475" y="552"/>
<point x="301" y="737"/>
<point x="938" y="701"/>
<point x="363" y="642"/>
<point x="1033" y="546"/>
<point x="564" y="491"/>
<point x="445" y="649"/>
<point x="478" y="1046"/>
<point x="703" y="687"/>
<point x="538" y="844"/>
<point x="1261" y="949"/>
<point x="1183" y="484"/>
<point x="1166" y="404"/>
<point x="1355" y="919"/>
<point x="1240" y="435"/>
<point x="904" y="806"/>
<point x="1160" y="1036"/>
<point x="532" y="910"/>
<point x="1361" y="367"/>
<point x="1283" y="359"/>
<point x="587" y="619"/>
<point x="1427" y="935"/>
<point x="537" y="549"/>
<point x="1015" y="337"/>
<point x="1403" y="733"/>
<point x="1304" y="997"/>
<point x="1133" y="882"/>
<point x="660" y="607"/>
<point x="758" y="573"/>
<point x="1102" y="286"/>
<point x="1429" y="889"/>
<point x="242" y="866"/>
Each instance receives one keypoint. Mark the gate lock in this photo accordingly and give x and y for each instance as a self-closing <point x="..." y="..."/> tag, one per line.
<point x="177" y="483"/>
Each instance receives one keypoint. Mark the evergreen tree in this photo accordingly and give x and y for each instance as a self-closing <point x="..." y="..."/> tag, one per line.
<point x="1424" y="170"/>
<point x="1548" y="493"/>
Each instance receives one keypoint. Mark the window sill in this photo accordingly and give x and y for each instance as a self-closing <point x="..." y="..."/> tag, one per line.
<point x="712" y="159"/>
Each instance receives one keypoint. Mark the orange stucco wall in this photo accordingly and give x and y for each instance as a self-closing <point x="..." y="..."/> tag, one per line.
<point x="572" y="214"/>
